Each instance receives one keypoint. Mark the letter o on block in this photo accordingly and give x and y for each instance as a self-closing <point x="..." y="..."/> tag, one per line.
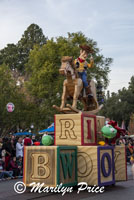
<point x="106" y="166"/>
<point x="104" y="172"/>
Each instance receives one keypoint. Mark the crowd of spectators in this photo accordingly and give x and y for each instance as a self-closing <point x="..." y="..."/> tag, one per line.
<point x="12" y="151"/>
<point x="129" y="149"/>
<point x="129" y="143"/>
<point x="11" y="155"/>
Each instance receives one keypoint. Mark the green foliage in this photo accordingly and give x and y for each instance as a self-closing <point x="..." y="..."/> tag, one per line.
<point x="39" y="60"/>
<point x="8" y="93"/>
<point x="131" y="84"/>
<point x="32" y="36"/>
<point x="120" y="105"/>
<point x="9" y="56"/>
<point x="16" y="56"/>
<point x="23" y="114"/>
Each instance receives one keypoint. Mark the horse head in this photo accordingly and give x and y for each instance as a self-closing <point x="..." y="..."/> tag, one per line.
<point x="67" y="66"/>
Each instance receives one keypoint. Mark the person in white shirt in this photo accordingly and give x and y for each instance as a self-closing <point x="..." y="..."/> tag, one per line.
<point x="19" y="148"/>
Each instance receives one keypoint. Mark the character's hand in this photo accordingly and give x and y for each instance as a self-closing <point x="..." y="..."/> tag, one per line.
<point x="77" y="64"/>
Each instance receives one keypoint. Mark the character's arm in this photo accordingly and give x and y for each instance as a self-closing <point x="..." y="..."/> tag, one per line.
<point x="91" y="64"/>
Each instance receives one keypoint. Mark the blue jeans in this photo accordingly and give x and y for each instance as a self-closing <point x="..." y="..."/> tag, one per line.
<point x="83" y="76"/>
<point x="6" y="174"/>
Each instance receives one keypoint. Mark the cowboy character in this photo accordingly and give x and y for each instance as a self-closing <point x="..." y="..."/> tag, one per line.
<point x="81" y="65"/>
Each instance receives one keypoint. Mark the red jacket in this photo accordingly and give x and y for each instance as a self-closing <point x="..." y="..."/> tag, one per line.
<point x="120" y="131"/>
<point x="27" y="141"/>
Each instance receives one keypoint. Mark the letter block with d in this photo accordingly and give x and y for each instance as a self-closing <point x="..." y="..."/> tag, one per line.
<point x="75" y="129"/>
<point x="96" y="165"/>
<point x="50" y="165"/>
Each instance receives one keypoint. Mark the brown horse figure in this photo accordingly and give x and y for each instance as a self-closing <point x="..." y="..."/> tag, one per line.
<point x="73" y="87"/>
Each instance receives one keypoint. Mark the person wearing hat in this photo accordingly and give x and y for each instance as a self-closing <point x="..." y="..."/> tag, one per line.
<point x="81" y="66"/>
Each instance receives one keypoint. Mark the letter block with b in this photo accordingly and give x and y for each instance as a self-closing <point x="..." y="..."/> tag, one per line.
<point x="50" y="165"/>
<point x="75" y="129"/>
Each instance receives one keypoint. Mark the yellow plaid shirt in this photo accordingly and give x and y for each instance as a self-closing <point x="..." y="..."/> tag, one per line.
<point x="83" y="64"/>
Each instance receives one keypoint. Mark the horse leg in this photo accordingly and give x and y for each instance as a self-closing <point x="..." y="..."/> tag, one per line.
<point x="64" y="96"/>
<point x="84" y="104"/>
<point x="75" y="97"/>
<point x="93" y="89"/>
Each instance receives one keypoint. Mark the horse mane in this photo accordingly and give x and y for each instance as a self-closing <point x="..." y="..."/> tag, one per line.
<point x="71" y="62"/>
<point x="67" y="59"/>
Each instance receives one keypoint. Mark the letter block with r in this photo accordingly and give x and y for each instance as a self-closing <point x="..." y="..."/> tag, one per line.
<point x="75" y="129"/>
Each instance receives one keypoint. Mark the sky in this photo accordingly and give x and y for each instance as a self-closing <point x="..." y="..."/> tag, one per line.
<point x="109" y="23"/>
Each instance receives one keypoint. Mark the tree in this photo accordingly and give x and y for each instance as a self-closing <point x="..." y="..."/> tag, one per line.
<point x="32" y="36"/>
<point x="16" y="56"/>
<point x="23" y="114"/>
<point x="99" y="93"/>
<point x="120" y="105"/>
<point x="7" y="94"/>
<point x="9" y="56"/>
<point x="131" y="84"/>
<point x="131" y="124"/>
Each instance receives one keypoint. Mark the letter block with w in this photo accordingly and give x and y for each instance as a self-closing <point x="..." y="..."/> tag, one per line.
<point x="67" y="165"/>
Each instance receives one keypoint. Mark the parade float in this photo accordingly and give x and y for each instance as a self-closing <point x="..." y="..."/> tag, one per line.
<point x="77" y="154"/>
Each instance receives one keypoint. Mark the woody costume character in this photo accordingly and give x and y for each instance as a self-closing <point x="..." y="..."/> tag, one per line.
<point x="81" y="66"/>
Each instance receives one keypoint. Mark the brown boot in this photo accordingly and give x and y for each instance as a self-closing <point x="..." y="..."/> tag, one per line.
<point x="89" y="92"/>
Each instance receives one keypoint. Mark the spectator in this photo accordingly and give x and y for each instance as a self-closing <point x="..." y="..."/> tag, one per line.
<point x="2" y="164"/>
<point x="13" y="137"/>
<point x="20" y="165"/>
<point x="132" y="162"/>
<point x="27" y="141"/>
<point x="3" y="153"/>
<point x="3" y="173"/>
<point x="14" y="167"/>
<point x="33" y="139"/>
<point x="1" y="143"/>
<point x="107" y="120"/>
<point x="128" y="152"/>
<point x="7" y="149"/>
<point x="19" y="148"/>
<point x="130" y="147"/>
<point x="15" y="141"/>
<point x="13" y="148"/>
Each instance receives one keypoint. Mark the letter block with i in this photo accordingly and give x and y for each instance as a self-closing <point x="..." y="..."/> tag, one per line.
<point x="75" y="129"/>
<point x="50" y="165"/>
